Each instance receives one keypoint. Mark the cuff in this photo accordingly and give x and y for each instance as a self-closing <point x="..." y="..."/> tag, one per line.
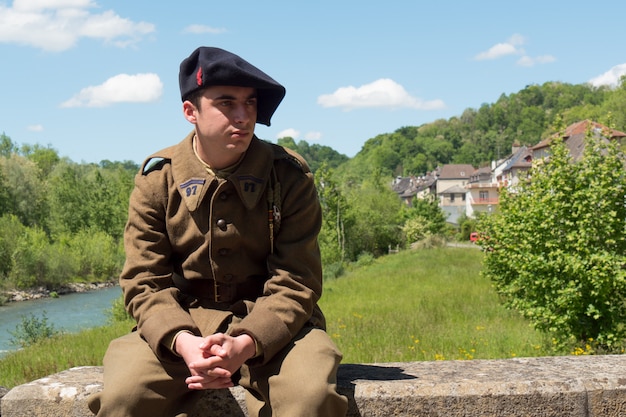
<point x="170" y="341"/>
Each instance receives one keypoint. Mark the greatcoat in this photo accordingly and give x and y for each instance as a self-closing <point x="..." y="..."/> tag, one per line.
<point x="202" y="247"/>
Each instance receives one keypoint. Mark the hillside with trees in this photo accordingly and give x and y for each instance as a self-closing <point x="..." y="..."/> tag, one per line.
<point x="62" y="221"/>
<point x="481" y="135"/>
<point x="476" y="137"/>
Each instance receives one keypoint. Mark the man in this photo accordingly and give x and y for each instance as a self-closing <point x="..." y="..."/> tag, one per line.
<point x="222" y="269"/>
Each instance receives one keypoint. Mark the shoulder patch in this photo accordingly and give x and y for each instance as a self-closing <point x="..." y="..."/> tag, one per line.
<point x="154" y="164"/>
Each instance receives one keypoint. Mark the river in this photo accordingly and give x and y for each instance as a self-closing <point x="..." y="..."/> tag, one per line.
<point x="68" y="313"/>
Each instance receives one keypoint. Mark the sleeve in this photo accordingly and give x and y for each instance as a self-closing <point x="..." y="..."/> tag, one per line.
<point x="295" y="284"/>
<point x="146" y="280"/>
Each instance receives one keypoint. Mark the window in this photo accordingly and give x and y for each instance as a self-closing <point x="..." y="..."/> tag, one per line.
<point x="483" y="196"/>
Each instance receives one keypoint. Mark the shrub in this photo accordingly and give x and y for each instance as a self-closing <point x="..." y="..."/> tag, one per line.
<point x="117" y="312"/>
<point x="557" y="250"/>
<point x="32" y="330"/>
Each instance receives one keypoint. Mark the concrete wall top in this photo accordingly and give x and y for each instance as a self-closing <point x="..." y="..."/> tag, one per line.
<point x="570" y="386"/>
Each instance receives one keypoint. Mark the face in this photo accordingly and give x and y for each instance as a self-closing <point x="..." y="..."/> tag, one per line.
<point x="224" y="118"/>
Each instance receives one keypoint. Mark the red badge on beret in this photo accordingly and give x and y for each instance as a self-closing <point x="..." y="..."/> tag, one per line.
<point x="199" y="76"/>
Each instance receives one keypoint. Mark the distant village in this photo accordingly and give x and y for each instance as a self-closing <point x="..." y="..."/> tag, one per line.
<point x="462" y="189"/>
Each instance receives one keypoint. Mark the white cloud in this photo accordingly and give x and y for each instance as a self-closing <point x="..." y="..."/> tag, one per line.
<point x="512" y="47"/>
<point x="35" y="128"/>
<point x="202" y="29"/>
<point x="38" y="5"/>
<point x="292" y="133"/>
<point x="381" y="93"/>
<point x="57" y="25"/>
<point x="610" y="78"/>
<point x="123" y="88"/>
<point x="497" y="51"/>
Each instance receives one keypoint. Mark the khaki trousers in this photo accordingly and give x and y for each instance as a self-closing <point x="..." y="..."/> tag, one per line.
<point x="300" y="381"/>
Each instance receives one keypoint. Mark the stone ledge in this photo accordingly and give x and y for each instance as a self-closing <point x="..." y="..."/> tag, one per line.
<point x="569" y="386"/>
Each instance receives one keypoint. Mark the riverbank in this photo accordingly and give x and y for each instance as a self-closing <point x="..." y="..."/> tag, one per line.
<point x="11" y="296"/>
<point x="69" y="313"/>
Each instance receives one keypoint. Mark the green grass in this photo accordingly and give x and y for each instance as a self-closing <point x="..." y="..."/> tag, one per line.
<point x="421" y="305"/>
<point x="59" y="353"/>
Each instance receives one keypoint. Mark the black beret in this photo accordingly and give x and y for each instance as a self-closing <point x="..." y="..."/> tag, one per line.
<point x="208" y="66"/>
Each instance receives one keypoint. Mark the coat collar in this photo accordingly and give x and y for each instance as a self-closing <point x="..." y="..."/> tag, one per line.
<point x="249" y="179"/>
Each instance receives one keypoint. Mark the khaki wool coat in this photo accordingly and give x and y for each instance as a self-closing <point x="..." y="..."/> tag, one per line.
<point x="200" y="248"/>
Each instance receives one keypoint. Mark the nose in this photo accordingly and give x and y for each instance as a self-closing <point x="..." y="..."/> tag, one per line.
<point x="241" y="114"/>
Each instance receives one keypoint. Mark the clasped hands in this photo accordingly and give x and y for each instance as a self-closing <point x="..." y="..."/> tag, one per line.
<point x="212" y="360"/>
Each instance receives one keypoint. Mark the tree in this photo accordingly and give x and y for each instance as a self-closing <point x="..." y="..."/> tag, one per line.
<point x="7" y="147"/>
<point x="26" y="190"/>
<point x="332" y="235"/>
<point x="425" y="218"/>
<point x="557" y="250"/>
<point x="85" y="197"/>
<point x="69" y="199"/>
<point x="45" y="158"/>
<point x="373" y="219"/>
<point x="315" y="155"/>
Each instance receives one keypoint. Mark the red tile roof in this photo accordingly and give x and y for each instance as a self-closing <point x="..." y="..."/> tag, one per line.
<point x="580" y="128"/>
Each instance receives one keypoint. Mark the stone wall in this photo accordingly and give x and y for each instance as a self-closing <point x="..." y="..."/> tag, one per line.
<point x="570" y="386"/>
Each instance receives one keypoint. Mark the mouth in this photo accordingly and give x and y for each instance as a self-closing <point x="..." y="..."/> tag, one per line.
<point x="240" y="133"/>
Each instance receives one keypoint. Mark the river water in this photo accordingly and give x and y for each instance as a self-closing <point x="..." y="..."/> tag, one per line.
<point x="68" y="313"/>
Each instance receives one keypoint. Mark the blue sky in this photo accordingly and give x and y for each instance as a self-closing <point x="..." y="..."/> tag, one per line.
<point x="98" y="79"/>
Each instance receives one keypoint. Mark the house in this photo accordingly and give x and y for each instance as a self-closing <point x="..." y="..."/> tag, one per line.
<point x="412" y="187"/>
<point x="509" y="173"/>
<point x="483" y="194"/>
<point x="406" y="188"/>
<point x="462" y="189"/>
<point x="574" y="137"/>
<point x="451" y="191"/>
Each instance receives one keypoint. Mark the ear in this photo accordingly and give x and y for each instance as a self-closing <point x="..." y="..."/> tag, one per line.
<point x="189" y="111"/>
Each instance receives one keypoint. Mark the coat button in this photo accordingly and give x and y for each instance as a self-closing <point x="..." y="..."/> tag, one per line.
<point x="228" y="277"/>
<point x="223" y="196"/>
<point x="223" y="251"/>
<point x="221" y="223"/>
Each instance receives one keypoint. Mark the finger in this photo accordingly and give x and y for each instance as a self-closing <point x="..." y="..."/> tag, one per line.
<point x="217" y="350"/>
<point x="201" y="380"/>
<point x="213" y="372"/>
<point x="214" y="362"/>
<point x="217" y="338"/>
<point x="217" y="383"/>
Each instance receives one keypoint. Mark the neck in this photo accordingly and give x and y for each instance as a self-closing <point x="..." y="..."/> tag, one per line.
<point x="216" y="159"/>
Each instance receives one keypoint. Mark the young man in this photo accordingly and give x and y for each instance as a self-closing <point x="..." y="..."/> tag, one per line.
<point x="222" y="269"/>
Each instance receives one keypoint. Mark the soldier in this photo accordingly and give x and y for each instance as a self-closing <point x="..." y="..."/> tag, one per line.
<point x="223" y="269"/>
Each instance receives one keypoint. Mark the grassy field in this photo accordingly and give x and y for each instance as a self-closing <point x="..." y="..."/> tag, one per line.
<point x="419" y="305"/>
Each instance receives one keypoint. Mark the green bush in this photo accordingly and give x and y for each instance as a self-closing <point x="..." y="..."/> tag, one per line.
<point x="557" y="250"/>
<point x="98" y="255"/>
<point x="31" y="330"/>
<point x="333" y="270"/>
<point x="30" y="259"/>
<point x="117" y="313"/>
